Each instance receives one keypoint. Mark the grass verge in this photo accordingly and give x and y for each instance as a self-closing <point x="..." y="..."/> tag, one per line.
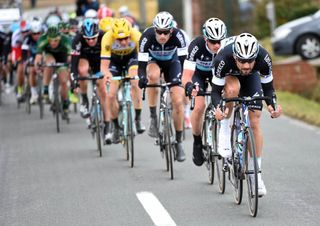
<point x="298" y="107"/>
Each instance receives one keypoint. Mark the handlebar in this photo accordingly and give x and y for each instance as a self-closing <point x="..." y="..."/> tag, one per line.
<point x="93" y="77"/>
<point x="200" y="93"/>
<point x="54" y="65"/>
<point x="161" y="85"/>
<point x="245" y="100"/>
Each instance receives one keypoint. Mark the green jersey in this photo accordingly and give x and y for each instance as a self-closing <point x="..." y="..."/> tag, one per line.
<point x="64" y="46"/>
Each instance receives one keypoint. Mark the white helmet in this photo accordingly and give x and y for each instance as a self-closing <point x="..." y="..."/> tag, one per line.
<point x="246" y="46"/>
<point x="123" y="11"/>
<point x="163" y="20"/>
<point x="214" y="29"/>
<point x="91" y="13"/>
<point x="36" y="26"/>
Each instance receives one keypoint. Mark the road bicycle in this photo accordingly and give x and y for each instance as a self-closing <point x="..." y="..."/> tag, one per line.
<point x="243" y="163"/>
<point x="209" y="134"/>
<point x="96" y="119"/>
<point x="126" y="114"/>
<point x="166" y="138"/>
<point x="56" y="106"/>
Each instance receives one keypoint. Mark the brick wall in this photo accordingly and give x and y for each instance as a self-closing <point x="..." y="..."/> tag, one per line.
<point x="296" y="77"/>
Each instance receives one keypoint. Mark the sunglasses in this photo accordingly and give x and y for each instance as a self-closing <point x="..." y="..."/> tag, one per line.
<point x="122" y="39"/>
<point x="37" y="33"/>
<point x="243" y="61"/>
<point x="213" y="42"/>
<point x="160" y="32"/>
<point x="54" y="39"/>
<point x="92" y="38"/>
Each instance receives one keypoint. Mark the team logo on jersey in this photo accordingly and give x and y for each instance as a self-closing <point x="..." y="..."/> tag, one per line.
<point x="107" y="48"/>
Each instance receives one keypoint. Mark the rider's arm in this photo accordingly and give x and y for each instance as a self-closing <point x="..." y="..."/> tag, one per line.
<point x="182" y="50"/>
<point x="143" y="56"/>
<point x="25" y="50"/>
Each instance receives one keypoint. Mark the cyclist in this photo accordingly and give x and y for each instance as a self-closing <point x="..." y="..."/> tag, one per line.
<point x="119" y="49"/>
<point x="85" y="57"/>
<point x="163" y="48"/>
<point x="243" y="68"/>
<point x="16" y="54"/>
<point x="197" y="72"/>
<point x="29" y="49"/>
<point x="56" y="47"/>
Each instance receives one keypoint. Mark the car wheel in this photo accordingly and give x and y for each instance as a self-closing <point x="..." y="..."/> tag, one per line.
<point x="308" y="47"/>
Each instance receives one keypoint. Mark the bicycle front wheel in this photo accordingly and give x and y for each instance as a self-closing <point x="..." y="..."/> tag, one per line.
<point x="251" y="172"/>
<point x="206" y="150"/>
<point x="129" y="140"/>
<point x="169" y="148"/>
<point x="219" y="161"/>
<point x="235" y="169"/>
<point x="97" y="124"/>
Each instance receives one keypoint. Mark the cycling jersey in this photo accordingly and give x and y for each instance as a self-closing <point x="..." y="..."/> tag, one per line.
<point x="29" y="48"/>
<point x="60" y="53"/>
<point x="258" y="82"/>
<point x="175" y="49"/>
<point x="81" y="49"/>
<point x="112" y="50"/>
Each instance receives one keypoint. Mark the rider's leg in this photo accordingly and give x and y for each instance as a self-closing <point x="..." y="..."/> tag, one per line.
<point x="47" y="73"/>
<point x="33" y="85"/>
<point x="83" y="69"/>
<point x="114" y="106"/>
<point x="153" y="73"/>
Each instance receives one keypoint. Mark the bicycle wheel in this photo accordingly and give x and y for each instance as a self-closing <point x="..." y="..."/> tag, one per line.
<point x="219" y="161"/>
<point x="206" y="150"/>
<point x="40" y="101"/>
<point x="168" y="135"/>
<point x="57" y="105"/>
<point x="27" y="99"/>
<point x="98" y="128"/>
<point x="129" y="140"/>
<point x="251" y="173"/>
<point x="235" y="170"/>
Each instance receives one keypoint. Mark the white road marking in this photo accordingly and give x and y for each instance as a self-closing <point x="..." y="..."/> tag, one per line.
<point x="154" y="208"/>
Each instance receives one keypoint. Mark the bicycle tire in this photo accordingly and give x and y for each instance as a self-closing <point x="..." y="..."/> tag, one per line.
<point x="40" y="102"/>
<point x="219" y="161"/>
<point x="162" y="139"/>
<point x="130" y="135"/>
<point x="28" y="97"/>
<point x="251" y="174"/>
<point x="98" y="129"/>
<point x="57" y="103"/>
<point x="207" y="149"/>
<point x="168" y="135"/>
<point x="237" y="182"/>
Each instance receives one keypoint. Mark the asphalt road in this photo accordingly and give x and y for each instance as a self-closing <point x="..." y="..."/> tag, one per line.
<point x="58" y="179"/>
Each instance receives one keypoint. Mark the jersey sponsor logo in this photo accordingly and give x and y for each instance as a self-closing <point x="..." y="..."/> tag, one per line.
<point x="181" y="39"/>
<point x="143" y="42"/>
<point x="107" y="48"/>
<point x="78" y="46"/>
<point x="267" y="59"/>
<point x="219" y="68"/>
<point x="193" y="52"/>
<point x="204" y="65"/>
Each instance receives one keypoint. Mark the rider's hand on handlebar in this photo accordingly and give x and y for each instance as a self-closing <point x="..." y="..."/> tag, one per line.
<point x="275" y="113"/>
<point x="219" y="115"/>
<point x="143" y="81"/>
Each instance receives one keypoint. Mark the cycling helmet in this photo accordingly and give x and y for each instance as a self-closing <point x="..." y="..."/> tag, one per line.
<point x="105" y="12"/>
<point x="123" y="11"/>
<point x="53" y="20"/>
<point x="63" y="25"/>
<point x="36" y="26"/>
<point x="90" y="28"/>
<point x="245" y="46"/>
<point x="91" y="13"/>
<point x="105" y="24"/>
<point x="163" y="20"/>
<point x="121" y="28"/>
<point x="24" y="26"/>
<point x="53" y="31"/>
<point x="214" y="29"/>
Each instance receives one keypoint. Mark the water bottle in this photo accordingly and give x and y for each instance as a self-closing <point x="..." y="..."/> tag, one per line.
<point x="240" y="145"/>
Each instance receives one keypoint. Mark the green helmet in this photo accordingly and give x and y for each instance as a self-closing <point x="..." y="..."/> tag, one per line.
<point x="53" y="31"/>
<point x="63" y="25"/>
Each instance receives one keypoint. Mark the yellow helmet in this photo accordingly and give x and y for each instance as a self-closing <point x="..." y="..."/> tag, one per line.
<point x="105" y="24"/>
<point x="121" y="28"/>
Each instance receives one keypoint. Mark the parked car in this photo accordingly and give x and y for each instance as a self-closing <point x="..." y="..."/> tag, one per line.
<point x="300" y="36"/>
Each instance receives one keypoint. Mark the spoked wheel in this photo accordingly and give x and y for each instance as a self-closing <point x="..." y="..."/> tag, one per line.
<point x="27" y="99"/>
<point x="221" y="174"/>
<point x="206" y="150"/>
<point x="40" y="103"/>
<point x="235" y="171"/>
<point x="129" y="141"/>
<point x="169" y="147"/>
<point x="251" y="170"/>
